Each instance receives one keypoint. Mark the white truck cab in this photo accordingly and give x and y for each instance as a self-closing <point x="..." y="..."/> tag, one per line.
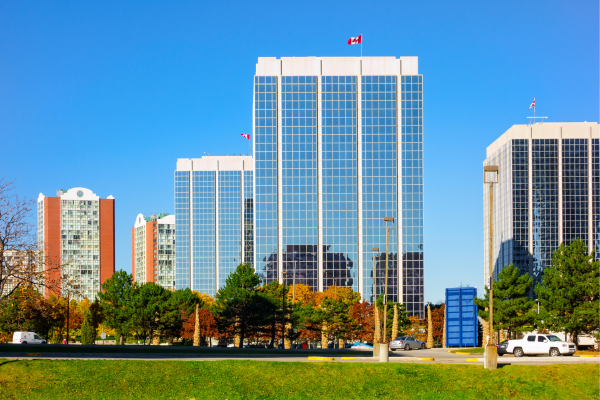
<point x="27" y="338"/>
<point x="535" y="344"/>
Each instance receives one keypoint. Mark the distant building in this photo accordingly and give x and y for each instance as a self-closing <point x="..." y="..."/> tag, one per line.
<point x="18" y="266"/>
<point x="214" y="217"/>
<point x="548" y="193"/>
<point x="153" y="249"/>
<point x="76" y="230"/>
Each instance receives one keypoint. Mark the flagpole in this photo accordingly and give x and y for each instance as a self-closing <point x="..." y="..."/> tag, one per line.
<point x="361" y="45"/>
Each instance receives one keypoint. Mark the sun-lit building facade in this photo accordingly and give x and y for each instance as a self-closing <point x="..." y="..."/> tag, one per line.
<point x="153" y="249"/>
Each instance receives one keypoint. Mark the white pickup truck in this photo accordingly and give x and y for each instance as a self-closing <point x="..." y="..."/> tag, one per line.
<point x="534" y="344"/>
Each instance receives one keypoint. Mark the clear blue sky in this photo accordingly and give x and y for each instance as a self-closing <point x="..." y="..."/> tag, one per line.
<point x="107" y="95"/>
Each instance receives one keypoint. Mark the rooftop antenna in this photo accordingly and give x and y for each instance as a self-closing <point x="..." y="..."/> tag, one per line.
<point x="534" y="118"/>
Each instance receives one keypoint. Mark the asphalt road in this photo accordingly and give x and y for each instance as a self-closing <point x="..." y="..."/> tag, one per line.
<point x="412" y="356"/>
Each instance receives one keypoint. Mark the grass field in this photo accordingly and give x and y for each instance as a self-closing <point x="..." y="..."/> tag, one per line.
<point x="111" y="349"/>
<point x="47" y="379"/>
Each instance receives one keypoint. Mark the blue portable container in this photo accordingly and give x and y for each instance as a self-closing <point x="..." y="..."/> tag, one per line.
<point x="461" y="317"/>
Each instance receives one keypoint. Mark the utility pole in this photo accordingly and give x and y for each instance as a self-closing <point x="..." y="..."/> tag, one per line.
<point x="387" y="252"/>
<point x="490" y="175"/>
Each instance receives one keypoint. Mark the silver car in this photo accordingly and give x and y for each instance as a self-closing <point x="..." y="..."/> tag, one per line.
<point x="407" y="343"/>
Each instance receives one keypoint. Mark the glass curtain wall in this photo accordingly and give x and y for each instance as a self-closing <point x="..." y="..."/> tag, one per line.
<point x="596" y="195"/>
<point x="412" y="192"/>
<point x="203" y="222"/>
<point x="265" y="156"/>
<point x="520" y="204"/>
<point x="299" y="177"/>
<point x="544" y="165"/>
<point x="248" y="218"/>
<point x="230" y="225"/>
<point x="339" y="182"/>
<point x="182" y="236"/>
<point x="575" y="190"/>
<point x="379" y="173"/>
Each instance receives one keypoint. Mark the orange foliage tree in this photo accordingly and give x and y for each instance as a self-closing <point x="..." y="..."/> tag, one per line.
<point x="417" y="328"/>
<point x="437" y="319"/>
<point x="363" y="323"/>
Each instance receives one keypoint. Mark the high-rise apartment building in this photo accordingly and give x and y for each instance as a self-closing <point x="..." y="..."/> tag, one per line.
<point x="153" y="249"/>
<point x="214" y="217"/>
<point x="338" y="146"/>
<point x="76" y="230"/>
<point x="548" y="193"/>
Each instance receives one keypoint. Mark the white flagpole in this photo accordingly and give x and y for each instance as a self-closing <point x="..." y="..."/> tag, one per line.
<point x="361" y="45"/>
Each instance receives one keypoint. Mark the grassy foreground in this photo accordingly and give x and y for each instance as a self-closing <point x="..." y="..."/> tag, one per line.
<point x="47" y="379"/>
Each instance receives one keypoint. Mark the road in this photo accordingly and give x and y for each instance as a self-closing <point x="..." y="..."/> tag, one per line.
<point x="413" y="356"/>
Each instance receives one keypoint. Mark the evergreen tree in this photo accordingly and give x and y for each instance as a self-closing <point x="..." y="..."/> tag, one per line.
<point x="236" y="303"/>
<point x="513" y="309"/>
<point x="114" y="300"/>
<point x="88" y="333"/>
<point x="569" y="290"/>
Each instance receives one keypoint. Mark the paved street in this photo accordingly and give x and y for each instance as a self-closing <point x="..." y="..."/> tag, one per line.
<point x="412" y="356"/>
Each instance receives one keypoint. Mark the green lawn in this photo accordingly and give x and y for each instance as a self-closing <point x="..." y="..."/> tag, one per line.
<point x="111" y="349"/>
<point x="46" y="379"/>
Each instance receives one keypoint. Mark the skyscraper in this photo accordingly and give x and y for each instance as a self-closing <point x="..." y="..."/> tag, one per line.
<point x="338" y="146"/>
<point x="213" y="218"/>
<point x="548" y="193"/>
<point x="153" y="249"/>
<point x="76" y="229"/>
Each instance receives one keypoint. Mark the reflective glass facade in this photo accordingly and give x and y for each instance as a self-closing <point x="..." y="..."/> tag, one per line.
<point x="182" y="235"/>
<point x="265" y="183"/>
<point x="575" y="190"/>
<point x="520" y="205"/>
<point x="229" y="224"/>
<point x="596" y="196"/>
<point x="339" y="182"/>
<point x="203" y="228"/>
<point x="299" y="176"/>
<point x="412" y="192"/>
<point x="248" y="217"/>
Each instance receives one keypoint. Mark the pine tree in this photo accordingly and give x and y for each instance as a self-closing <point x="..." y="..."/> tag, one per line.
<point x="569" y="290"/>
<point x="88" y="333"/>
<point x="513" y="310"/>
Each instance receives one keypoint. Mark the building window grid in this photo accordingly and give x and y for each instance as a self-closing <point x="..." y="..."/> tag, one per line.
<point x="166" y="256"/>
<point x="339" y="181"/>
<point x="203" y="223"/>
<point x="248" y="217"/>
<point x="299" y="177"/>
<point x="596" y="196"/>
<point x="230" y="235"/>
<point x="182" y="236"/>
<point x="412" y="192"/>
<point x="544" y="204"/>
<point x="265" y="177"/>
<point x="575" y="204"/>
<point x="379" y="179"/>
<point x="520" y="204"/>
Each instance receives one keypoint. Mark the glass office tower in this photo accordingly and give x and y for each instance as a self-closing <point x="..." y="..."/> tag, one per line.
<point x="338" y="146"/>
<point x="547" y="194"/>
<point x="214" y="219"/>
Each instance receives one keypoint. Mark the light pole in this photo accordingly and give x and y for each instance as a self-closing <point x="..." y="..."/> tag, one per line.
<point x="374" y="255"/>
<point x="387" y="251"/>
<point x="490" y="175"/>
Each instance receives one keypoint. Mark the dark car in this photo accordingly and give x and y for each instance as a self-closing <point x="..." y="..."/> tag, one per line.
<point x="501" y="347"/>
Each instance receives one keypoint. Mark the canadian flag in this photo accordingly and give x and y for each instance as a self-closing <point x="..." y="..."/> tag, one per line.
<point x="246" y="136"/>
<point x="532" y="104"/>
<point x="355" y="40"/>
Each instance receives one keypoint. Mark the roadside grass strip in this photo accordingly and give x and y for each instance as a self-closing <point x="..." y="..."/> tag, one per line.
<point x="320" y="358"/>
<point x="139" y="379"/>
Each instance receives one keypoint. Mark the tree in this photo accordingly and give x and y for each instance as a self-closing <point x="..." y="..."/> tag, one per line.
<point x="569" y="291"/>
<point x="235" y="302"/>
<point x="115" y="303"/>
<point x="363" y="321"/>
<point x="437" y="318"/>
<point x="403" y="320"/>
<point x="417" y="328"/>
<point x="88" y="333"/>
<point x="151" y="309"/>
<point x="513" y="309"/>
<point x="272" y="301"/>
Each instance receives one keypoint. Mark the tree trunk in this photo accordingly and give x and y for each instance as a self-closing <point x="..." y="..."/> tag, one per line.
<point x="444" y="331"/>
<point x="341" y="344"/>
<point x="155" y="338"/>
<point x="273" y="331"/>
<point x="395" y="323"/>
<point x="324" y="338"/>
<point x="287" y="342"/>
<point x="429" y="329"/>
<point x="197" y="327"/>
<point x="240" y="337"/>
<point x="121" y="339"/>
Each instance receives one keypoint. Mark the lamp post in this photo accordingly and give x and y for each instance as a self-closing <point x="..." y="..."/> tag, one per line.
<point x="490" y="175"/>
<point x="374" y="255"/>
<point x="387" y="251"/>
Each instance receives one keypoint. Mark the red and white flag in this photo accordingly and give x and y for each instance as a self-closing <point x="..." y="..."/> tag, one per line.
<point x="532" y="104"/>
<point x="246" y="136"/>
<point x="355" y="40"/>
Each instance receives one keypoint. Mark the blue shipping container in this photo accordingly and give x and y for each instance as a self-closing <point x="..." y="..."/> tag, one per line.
<point x="461" y="317"/>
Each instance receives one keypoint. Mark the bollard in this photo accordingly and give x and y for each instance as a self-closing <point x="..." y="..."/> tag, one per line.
<point x="376" y="347"/>
<point x="384" y="355"/>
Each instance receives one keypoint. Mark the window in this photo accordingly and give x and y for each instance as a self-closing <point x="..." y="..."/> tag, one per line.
<point x="541" y="339"/>
<point x="531" y="338"/>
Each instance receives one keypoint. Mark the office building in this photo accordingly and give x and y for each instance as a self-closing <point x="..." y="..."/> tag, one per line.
<point x="213" y="216"/>
<point x="17" y="267"/>
<point x="153" y="249"/>
<point x="548" y="193"/>
<point x="76" y="231"/>
<point x="338" y="146"/>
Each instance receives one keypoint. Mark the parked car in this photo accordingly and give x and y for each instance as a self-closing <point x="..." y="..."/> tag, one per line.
<point x="27" y="338"/>
<point x="501" y="347"/>
<point x="534" y="344"/>
<point x="407" y="343"/>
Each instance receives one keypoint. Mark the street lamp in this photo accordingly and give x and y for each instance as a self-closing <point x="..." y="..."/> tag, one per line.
<point x="387" y="251"/>
<point x="490" y="175"/>
<point x="374" y="255"/>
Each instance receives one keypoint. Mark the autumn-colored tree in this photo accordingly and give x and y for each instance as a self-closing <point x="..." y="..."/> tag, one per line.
<point x="417" y="328"/>
<point x="363" y="322"/>
<point x="437" y="317"/>
<point x="301" y="293"/>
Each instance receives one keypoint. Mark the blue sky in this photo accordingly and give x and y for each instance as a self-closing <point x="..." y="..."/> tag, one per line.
<point x="107" y="95"/>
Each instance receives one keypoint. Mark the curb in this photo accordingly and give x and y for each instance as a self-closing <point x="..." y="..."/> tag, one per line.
<point x="427" y="359"/>
<point x="320" y="358"/>
<point x="33" y="354"/>
<point x="460" y="352"/>
<point x="473" y="359"/>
